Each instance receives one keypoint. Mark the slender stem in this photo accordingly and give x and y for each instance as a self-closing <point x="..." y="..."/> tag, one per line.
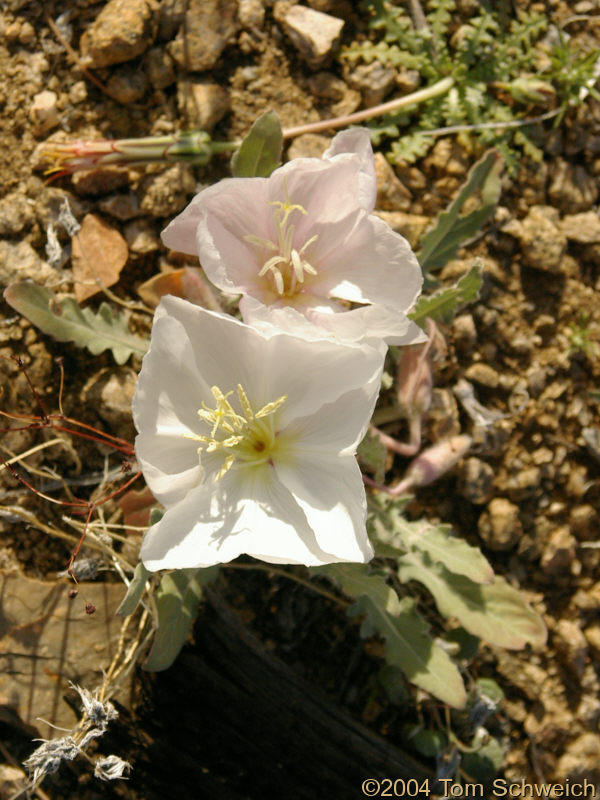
<point x="420" y="96"/>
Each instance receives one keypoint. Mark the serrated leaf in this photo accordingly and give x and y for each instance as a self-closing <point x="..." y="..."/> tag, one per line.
<point x="495" y="612"/>
<point x="441" y="305"/>
<point x="372" y="455"/>
<point x="67" y="322"/>
<point x="260" y="152"/>
<point x="134" y="591"/>
<point x="394" y="535"/>
<point x="440" y="244"/>
<point x="177" y="601"/>
<point x="408" y="643"/>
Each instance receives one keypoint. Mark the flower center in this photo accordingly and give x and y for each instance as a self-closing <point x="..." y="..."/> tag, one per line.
<point x="288" y="268"/>
<point x="249" y="438"/>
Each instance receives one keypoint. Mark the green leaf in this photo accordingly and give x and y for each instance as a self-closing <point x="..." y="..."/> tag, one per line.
<point x="495" y="612"/>
<point x="426" y="741"/>
<point x="442" y="305"/>
<point x="134" y="591"/>
<point x="177" y="601"/>
<point x="395" y="535"/>
<point x="260" y="152"/>
<point x="67" y="322"/>
<point x="372" y="454"/>
<point x="483" y="765"/>
<point x="440" y="244"/>
<point x="408" y="643"/>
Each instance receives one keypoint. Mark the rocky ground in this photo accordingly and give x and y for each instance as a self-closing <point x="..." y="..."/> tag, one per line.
<point x="527" y="493"/>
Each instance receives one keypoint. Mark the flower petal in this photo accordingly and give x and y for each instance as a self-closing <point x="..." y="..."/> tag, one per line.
<point x="356" y="142"/>
<point x="332" y="495"/>
<point x="248" y="511"/>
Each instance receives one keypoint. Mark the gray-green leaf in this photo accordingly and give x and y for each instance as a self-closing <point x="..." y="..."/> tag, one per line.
<point x="134" y="591"/>
<point x="408" y="643"/>
<point x="440" y="244"/>
<point x="442" y="304"/>
<point x="67" y="322"/>
<point x="177" y="601"/>
<point x="495" y="611"/>
<point x="260" y="152"/>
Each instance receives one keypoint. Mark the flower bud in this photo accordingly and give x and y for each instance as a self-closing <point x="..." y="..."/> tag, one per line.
<point x="434" y="462"/>
<point x="529" y="89"/>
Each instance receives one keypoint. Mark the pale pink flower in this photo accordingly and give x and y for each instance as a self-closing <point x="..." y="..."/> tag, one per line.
<point x="305" y="238"/>
<point x="248" y="437"/>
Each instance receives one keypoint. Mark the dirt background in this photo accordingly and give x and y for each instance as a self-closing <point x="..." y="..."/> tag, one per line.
<point x="528" y="492"/>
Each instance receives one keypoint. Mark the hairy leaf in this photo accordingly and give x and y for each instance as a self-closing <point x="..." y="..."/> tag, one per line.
<point x="440" y="244"/>
<point x="260" y="152"/>
<point x="394" y="535"/>
<point x="67" y="322"/>
<point x="441" y="305"/>
<point x="495" y="612"/>
<point x="408" y="643"/>
<point x="134" y="591"/>
<point x="177" y="601"/>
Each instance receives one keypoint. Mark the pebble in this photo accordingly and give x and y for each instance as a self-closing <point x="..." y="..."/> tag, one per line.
<point x="16" y="214"/>
<point x="330" y="87"/>
<point x="127" y="84"/>
<point x="315" y="35"/>
<point x="374" y="81"/>
<point x="111" y="395"/>
<point x="78" y="92"/>
<point x="582" y="228"/>
<point x="448" y="158"/>
<point x="209" y="25"/>
<point x="482" y="374"/>
<point x="525" y="483"/>
<point x="411" y="226"/>
<point x="99" y="252"/>
<point x="141" y="237"/>
<point x="100" y="181"/>
<point x="392" y="194"/>
<point x="165" y="193"/>
<point x="123" y="30"/>
<point x="20" y="262"/>
<point x="251" y="14"/>
<point x="572" y="188"/>
<point x="542" y="242"/>
<point x="121" y="206"/>
<point x="559" y="552"/>
<point x="584" y="522"/>
<point x="408" y="81"/>
<point x="476" y="481"/>
<point x="170" y="18"/>
<point x="27" y="33"/>
<point x="499" y="525"/>
<point x="159" y="68"/>
<point x="44" y="112"/>
<point x="571" y="645"/>
<point x="309" y="145"/>
<point x="202" y="103"/>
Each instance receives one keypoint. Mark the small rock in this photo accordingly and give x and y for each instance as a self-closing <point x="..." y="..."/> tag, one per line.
<point x="584" y="523"/>
<point x="559" y="552"/>
<point x="123" y="30"/>
<point x="100" y="181"/>
<point x="476" y="481"/>
<point x="141" y="237"/>
<point x="99" y="253"/>
<point x="121" y="206"/>
<point x="582" y="228"/>
<point x="543" y="244"/>
<point x="581" y="760"/>
<point x="159" y="68"/>
<point x="78" y="92"/>
<point x="170" y="18"/>
<point x="572" y="188"/>
<point x="44" y="112"/>
<point x="112" y="395"/>
<point x="448" y="158"/>
<point x="251" y="14"/>
<point x="127" y="84"/>
<point x="166" y="193"/>
<point x="499" y="525"/>
<point x="392" y="194"/>
<point x="309" y="145"/>
<point x="202" y="103"/>
<point x="20" y="262"/>
<point x="27" y="33"/>
<point x="482" y="374"/>
<point x="411" y="226"/>
<point x="408" y="81"/>
<point x="16" y="214"/>
<point x="209" y="24"/>
<point x="592" y="635"/>
<point x="330" y="87"/>
<point x="315" y="35"/>
<point x="464" y="332"/>
<point x="525" y="483"/>
<point x="571" y="645"/>
<point x="373" y="81"/>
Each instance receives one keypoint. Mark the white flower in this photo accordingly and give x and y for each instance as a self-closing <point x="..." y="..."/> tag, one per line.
<point x="305" y="238"/>
<point x="248" y="438"/>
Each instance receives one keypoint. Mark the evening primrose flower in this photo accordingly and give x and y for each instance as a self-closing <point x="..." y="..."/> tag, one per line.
<point x="247" y="437"/>
<point x="305" y="238"/>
